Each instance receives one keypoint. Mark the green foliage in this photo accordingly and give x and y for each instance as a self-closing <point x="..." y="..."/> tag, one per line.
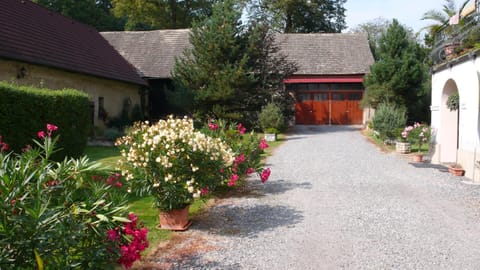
<point x="232" y="70"/>
<point x="161" y="14"/>
<point x="300" y="16"/>
<point x="271" y="117"/>
<point x="22" y="116"/>
<point x="453" y="102"/>
<point x="94" y="13"/>
<point x="399" y="75"/>
<point x="247" y="149"/>
<point x="419" y="135"/>
<point x="216" y="67"/>
<point x="387" y="119"/>
<point x="59" y="211"/>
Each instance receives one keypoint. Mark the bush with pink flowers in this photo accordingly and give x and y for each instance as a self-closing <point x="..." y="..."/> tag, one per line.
<point x="247" y="148"/>
<point x="63" y="215"/>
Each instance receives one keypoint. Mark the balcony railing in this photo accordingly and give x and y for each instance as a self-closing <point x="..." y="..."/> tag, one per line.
<point x="454" y="40"/>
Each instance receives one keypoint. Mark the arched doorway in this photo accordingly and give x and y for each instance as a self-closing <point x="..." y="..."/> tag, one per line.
<point x="448" y="137"/>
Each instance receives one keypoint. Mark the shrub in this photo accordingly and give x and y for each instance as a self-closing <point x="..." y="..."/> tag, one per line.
<point x="63" y="215"/>
<point x="172" y="161"/>
<point x="247" y="149"/>
<point x="24" y="109"/>
<point x="271" y="117"/>
<point x="387" y="119"/>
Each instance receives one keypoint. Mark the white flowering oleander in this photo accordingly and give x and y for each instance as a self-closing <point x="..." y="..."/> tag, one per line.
<point x="170" y="152"/>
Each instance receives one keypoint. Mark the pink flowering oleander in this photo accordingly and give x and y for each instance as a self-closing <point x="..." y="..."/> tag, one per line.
<point x="241" y="129"/>
<point x="233" y="180"/>
<point x="263" y="144"/>
<point x="265" y="175"/>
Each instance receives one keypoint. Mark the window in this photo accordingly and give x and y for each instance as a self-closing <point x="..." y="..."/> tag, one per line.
<point x="338" y="96"/>
<point x="102" y="113"/>
<point x="320" y="96"/>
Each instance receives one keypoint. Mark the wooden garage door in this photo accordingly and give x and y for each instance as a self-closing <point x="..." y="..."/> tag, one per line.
<point x="336" y="108"/>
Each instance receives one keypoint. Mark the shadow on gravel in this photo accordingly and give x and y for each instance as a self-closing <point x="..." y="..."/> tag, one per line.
<point x="282" y="186"/>
<point x="245" y="221"/>
<point x="430" y="166"/>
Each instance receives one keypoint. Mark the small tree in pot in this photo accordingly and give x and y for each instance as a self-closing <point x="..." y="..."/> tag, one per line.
<point x="271" y="121"/>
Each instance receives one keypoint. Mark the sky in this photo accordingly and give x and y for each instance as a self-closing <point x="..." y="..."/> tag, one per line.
<point x="407" y="12"/>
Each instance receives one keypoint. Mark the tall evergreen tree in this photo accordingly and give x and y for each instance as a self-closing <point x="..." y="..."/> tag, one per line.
<point x="399" y="75"/>
<point x="302" y="16"/>
<point x="232" y="70"/>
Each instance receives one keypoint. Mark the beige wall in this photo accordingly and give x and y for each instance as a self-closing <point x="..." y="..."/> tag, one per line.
<point x="113" y="92"/>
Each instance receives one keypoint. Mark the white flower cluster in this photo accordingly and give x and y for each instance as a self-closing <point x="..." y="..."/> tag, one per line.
<point x="169" y="151"/>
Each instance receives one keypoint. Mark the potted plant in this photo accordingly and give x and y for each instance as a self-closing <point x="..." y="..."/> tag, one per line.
<point x="419" y="134"/>
<point x="173" y="162"/>
<point x="271" y="121"/>
<point x="402" y="145"/>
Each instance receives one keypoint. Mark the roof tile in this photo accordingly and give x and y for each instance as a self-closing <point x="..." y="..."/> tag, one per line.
<point x="34" y="34"/>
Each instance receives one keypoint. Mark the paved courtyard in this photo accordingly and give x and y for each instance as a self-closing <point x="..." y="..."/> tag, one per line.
<point x="334" y="201"/>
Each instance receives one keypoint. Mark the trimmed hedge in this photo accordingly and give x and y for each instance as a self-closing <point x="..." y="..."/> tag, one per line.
<point x="26" y="110"/>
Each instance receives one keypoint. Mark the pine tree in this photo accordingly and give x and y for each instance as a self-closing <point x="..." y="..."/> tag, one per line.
<point x="398" y="77"/>
<point x="233" y="70"/>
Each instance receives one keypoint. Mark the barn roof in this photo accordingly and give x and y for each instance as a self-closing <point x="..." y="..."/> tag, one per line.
<point x="34" y="34"/>
<point x="151" y="52"/>
<point x="327" y="54"/>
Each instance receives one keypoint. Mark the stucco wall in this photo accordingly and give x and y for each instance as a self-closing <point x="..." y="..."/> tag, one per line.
<point x="462" y="75"/>
<point x="113" y="92"/>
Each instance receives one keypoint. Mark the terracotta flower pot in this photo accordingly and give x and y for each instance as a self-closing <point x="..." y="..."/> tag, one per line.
<point x="456" y="171"/>
<point x="175" y="220"/>
<point x="417" y="158"/>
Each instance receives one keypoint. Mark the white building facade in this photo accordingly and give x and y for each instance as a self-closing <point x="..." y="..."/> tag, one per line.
<point x="456" y="133"/>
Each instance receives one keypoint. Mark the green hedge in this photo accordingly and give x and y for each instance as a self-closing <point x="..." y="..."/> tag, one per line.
<point x="26" y="110"/>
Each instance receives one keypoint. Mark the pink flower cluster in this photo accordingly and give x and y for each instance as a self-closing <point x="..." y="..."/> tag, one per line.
<point x="265" y="175"/>
<point x="3" y="145"/>
<point x="50" y="129"/>
<point x="112" y="180"/>
<point x="263" y="144"/>
<point x="241" y="129"/>
<point x="138" y="241"/>
<point x="212" y="126"/>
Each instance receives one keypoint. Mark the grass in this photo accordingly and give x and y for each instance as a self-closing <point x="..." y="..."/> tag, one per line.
<point x="108" y="156"/>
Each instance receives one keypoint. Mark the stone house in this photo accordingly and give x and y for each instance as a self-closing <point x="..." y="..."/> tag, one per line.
<point x="327" y="86"/>
<point x="42" y="48"/>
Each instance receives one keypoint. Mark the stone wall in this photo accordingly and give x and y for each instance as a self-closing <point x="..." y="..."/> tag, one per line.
<point x="113" y="92"/>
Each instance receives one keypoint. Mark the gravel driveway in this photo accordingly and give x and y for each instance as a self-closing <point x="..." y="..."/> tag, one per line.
<point x="334" y="201"/>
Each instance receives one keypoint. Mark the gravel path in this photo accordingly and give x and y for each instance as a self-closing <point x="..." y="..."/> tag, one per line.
<point x="334" y="201"/>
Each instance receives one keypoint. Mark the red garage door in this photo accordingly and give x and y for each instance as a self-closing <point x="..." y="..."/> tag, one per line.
<point x="328" y="107"/>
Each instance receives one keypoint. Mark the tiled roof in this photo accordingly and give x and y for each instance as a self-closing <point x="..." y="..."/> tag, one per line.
<point x="327" y="54"/>
<point x="34" y="34"/>
<point x="151" y="52"/>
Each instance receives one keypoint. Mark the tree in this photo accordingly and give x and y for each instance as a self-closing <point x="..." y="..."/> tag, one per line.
<point x="399" y="75"/>
<point x="374" y="30"/>
<point x="302" y="16"/>
<point x="96" y="13"/>
<point x="232" y="69"/>
<point x="161" y="14"/>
